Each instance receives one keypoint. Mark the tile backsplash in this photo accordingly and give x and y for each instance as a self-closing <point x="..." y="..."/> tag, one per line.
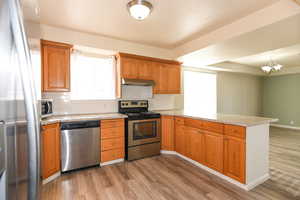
<point x="62" y="104"/>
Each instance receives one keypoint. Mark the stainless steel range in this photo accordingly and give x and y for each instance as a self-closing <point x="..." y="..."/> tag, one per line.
<point x="142" y="129"/>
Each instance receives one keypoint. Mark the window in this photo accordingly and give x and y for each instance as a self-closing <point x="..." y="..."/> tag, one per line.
<point x="92" y="78"/>
<point x="200" y="93"/>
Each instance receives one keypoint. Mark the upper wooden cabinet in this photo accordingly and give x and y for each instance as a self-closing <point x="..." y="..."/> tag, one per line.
<point x="50" y="150"/>
<point x="55" y="66"/>
<point x="165" y="73"/>
<point x="129" y="68"/>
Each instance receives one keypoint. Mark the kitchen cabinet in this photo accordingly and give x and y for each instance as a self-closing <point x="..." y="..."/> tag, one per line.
<point x="130" y="68"/>
<point x="172" y="76"/>
<point x="167" y="133"/>
<point x="194" y="144"/>
<point x="112" y="140"/>
<point x="235" y="152"/>
<point x="55" y="66"/>
<point x="180" y="139"/>
<point x="225" y="148"/>
<point x="50" y="150"/>
<point x="145" y="70"/>
<point x="213" y="150"/>
<point x="156" y="72"/>
<point x="165" y="73"/>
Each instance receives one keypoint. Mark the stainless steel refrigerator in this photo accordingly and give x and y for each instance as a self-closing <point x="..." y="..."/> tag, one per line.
<point x="19" y="123"/>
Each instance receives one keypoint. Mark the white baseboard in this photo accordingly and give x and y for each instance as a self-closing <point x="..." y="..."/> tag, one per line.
<point x="286" y="126"/>
<point x="51" y="178"/>
<point x="112" y="162"/>
<point x="246" y="187"/>
<point x="168" y="152"/>
<point x="258" y="181"/>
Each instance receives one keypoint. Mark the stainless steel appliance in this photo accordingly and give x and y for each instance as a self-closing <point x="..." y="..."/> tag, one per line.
<point x="20" y="126"/>
<point x="46" y="107"/>
<point x="142" y="129"/>
<point x="137" y="82"/>
<point x="2" y="148"/>
<point x="80" y="144"/>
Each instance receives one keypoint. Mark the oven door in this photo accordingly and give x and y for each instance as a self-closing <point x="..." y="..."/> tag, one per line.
<point x="143" y="131"/>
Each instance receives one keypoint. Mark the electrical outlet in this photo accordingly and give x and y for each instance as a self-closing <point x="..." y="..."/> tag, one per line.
<point x="292" y="122"/>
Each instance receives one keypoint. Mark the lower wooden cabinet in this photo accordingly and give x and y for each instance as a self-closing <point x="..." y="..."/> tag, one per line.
<point x="215" y="145"/>
<point x="113" y="154"/>
<point x="213" y="153"/>
<point x="180" y="138"/>
<point x="167" y="133"/>
<point x="112" y="140"/>
<point x="235" y="158"/>
<point x="50" y="150"/>
<point x="194" y="144"/>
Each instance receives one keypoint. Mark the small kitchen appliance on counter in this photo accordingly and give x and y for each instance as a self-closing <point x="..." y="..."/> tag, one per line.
<point x="46" y="108"/>
<point x="142" y="129"/>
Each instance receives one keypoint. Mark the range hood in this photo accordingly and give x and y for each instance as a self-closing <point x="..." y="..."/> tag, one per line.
<point x="137" y="82"/>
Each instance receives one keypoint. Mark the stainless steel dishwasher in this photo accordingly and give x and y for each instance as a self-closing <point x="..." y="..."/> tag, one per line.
<point x="80" y="144"/>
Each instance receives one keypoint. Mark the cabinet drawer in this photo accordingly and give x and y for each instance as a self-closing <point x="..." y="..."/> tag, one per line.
<point x="213" y="126"/>
<point x="112" y="155"/>
<point x="115" y="132"/>
<point x="115" y="143"/>
<point x="194" y="123"/>
<point x="179" y="120"/>
<point x="235" y="131"/>
<point x="109" y="123"/>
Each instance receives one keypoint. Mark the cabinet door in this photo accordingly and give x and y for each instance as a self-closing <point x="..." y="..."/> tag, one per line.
<point x="174" y="81"/>
<point x="56" y="66"/>
<point x="129" y="68"/>
<point x="164" y="79"/>
<point x="50" y="150"/>
<point x="213" y="155"/>
<point x="169" y="79"/>
<point x="156" y="78"/>
<point x="194" y="144"/>
<point x="167" y="140"/>
<point x="234" y="158"/>
<point x="145" y="70"/>
<point x="180" y="139"/>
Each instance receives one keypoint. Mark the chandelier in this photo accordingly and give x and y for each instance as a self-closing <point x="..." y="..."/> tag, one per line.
<point x="271" y="67"/>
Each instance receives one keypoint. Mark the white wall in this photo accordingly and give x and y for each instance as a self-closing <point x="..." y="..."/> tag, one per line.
<point x="239" y="93"/>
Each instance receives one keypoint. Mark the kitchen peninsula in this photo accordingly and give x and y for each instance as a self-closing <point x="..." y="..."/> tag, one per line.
<point x="233" y="147"/>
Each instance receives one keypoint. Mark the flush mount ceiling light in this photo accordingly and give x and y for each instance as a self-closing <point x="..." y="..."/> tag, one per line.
<point x="271" y="67"/>
<point x="139" y="9"/>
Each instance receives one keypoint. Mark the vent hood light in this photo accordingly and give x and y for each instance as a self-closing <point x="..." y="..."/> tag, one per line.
<point x="139" y="9"/>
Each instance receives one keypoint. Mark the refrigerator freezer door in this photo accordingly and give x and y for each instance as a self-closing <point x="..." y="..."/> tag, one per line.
<point x="2" y="148"/>
<point x="18" y="107"/>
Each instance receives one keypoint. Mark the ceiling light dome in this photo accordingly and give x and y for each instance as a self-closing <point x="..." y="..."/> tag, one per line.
<point x="139" y="9"/>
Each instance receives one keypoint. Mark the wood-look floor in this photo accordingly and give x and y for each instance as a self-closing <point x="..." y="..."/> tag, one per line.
<point x="168" y="177"/>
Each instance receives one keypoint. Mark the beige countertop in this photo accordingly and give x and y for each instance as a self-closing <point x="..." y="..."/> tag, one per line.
<point x="240" y="120"/>
<point x="80" y="117"/>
